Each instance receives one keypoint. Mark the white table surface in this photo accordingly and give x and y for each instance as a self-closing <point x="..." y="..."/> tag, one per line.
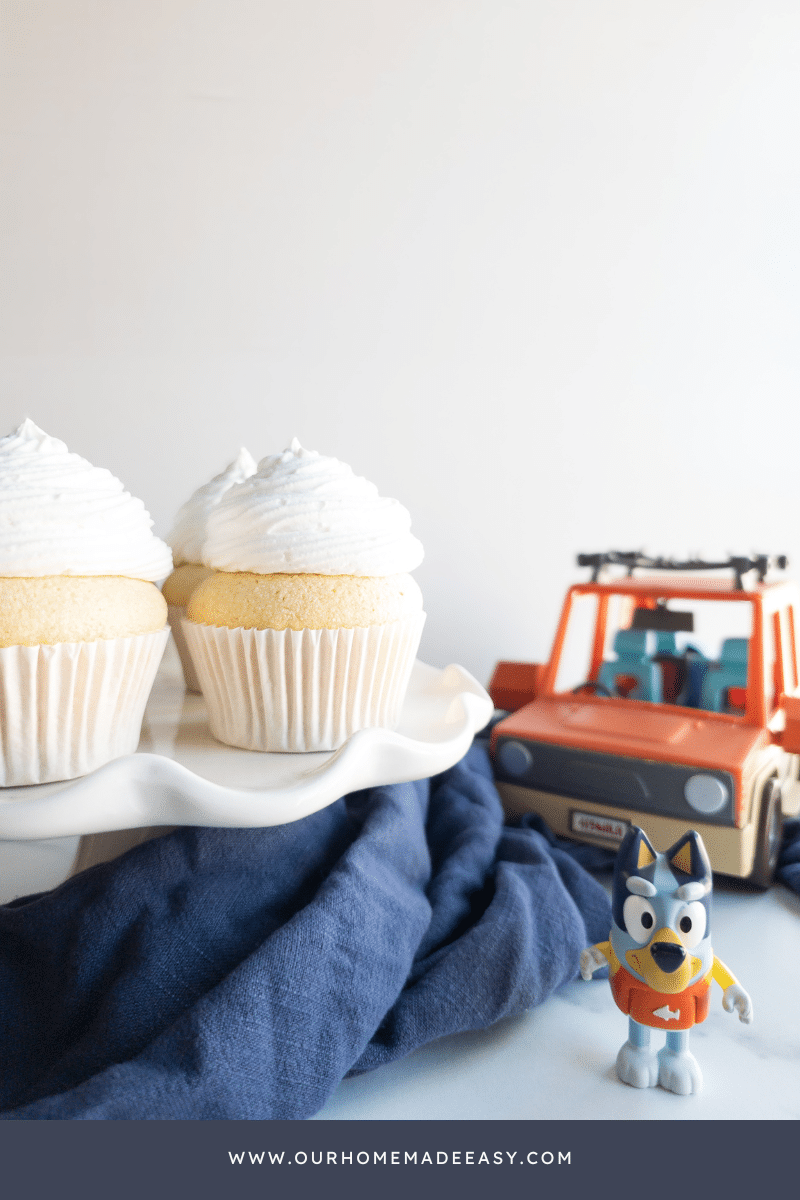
<point x="557" y="1061"/>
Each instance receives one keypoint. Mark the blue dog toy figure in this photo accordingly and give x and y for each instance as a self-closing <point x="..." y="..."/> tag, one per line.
<point x="660" y="959"/>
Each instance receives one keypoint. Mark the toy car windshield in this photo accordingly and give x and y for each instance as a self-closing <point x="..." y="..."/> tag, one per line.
<point x="622" y="643"/>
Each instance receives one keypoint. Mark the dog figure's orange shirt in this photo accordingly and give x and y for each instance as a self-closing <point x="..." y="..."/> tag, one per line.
<point x="660" y="1010"/>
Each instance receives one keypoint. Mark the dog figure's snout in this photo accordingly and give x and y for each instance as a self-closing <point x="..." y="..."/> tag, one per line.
<point x="668" y="956"/>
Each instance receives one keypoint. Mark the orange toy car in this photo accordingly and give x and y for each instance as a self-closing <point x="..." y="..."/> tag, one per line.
<point x="670" y="701"/>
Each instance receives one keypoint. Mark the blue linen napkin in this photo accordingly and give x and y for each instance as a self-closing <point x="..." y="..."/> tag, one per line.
<point x="224" y="974"/>
<point x="788" y="871"/>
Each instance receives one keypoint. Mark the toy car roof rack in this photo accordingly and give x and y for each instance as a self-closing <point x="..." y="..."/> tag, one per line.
<point x="631" y="559"/>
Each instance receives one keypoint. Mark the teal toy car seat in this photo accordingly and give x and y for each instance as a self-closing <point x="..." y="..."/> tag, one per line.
<point x="731" y="671"/>
<point x="631" y="647"/>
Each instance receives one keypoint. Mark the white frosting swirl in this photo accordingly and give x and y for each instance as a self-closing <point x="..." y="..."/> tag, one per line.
<point x="59" y="515"/>
<point x="189" y="531"/>
<point x="303" y="513"/>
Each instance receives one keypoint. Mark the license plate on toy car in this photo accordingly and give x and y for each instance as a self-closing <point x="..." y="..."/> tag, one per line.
<point x="598" y="825"/>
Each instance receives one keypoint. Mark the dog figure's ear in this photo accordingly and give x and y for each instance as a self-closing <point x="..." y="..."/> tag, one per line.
<point x="688" y="859"/>
<point x="635" y="856"/>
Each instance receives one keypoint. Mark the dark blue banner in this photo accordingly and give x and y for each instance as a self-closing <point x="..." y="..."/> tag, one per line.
<point x="220" y="1159"/>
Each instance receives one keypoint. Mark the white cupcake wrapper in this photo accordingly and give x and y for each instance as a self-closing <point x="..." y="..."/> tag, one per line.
<point x="67" y="709"/>
<point x="176" y="615"/>
<point x="302" y="690"/>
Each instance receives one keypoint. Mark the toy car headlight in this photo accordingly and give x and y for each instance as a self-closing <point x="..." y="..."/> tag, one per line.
<point x="515" y="758"/>
<point x="705" y="793"/>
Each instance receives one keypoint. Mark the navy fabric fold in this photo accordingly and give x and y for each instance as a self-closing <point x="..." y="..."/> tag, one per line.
<point x="241" y="974"/>
<point x="788" y="871"/>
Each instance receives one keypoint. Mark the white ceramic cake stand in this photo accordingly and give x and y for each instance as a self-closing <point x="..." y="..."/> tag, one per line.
<point x="182" y="776"/>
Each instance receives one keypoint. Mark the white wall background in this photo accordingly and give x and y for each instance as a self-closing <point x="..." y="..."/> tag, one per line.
<point x="529" y="265"/>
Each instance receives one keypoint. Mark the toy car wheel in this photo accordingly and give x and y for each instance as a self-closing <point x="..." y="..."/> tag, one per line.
<point x="770" y="828"/>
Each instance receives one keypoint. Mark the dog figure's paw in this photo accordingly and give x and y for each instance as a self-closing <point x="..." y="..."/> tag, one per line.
<point x="591" y="960"/>
<point x="678" y="1071"/>
<point x="637" y="1065"/>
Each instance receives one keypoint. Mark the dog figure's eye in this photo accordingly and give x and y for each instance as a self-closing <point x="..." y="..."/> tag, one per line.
<point x="691" y="924"/>
<point x="640" y="918"/>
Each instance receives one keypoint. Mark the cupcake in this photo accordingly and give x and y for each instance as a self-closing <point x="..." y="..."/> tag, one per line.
<point x="308" y="628"/>
<point x="186" y="539"/>
<point x="82" y="623"/>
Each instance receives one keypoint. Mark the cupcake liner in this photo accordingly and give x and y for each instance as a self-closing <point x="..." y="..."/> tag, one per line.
<point x="176" y="615"/>
<point x="302" y="690"/>
<point x="69" y="708"/>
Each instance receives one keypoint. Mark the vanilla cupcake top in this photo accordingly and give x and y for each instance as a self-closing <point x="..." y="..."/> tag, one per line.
<point x="59" y="515"/>
<point x="302" y="513"/>
<point x="189" y="531"/>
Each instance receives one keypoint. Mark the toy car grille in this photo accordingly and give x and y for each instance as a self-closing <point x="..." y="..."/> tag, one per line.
<point x="610" y="779"/>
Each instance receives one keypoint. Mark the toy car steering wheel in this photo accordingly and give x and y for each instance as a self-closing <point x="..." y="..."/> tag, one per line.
<point x="593" y="685"/>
